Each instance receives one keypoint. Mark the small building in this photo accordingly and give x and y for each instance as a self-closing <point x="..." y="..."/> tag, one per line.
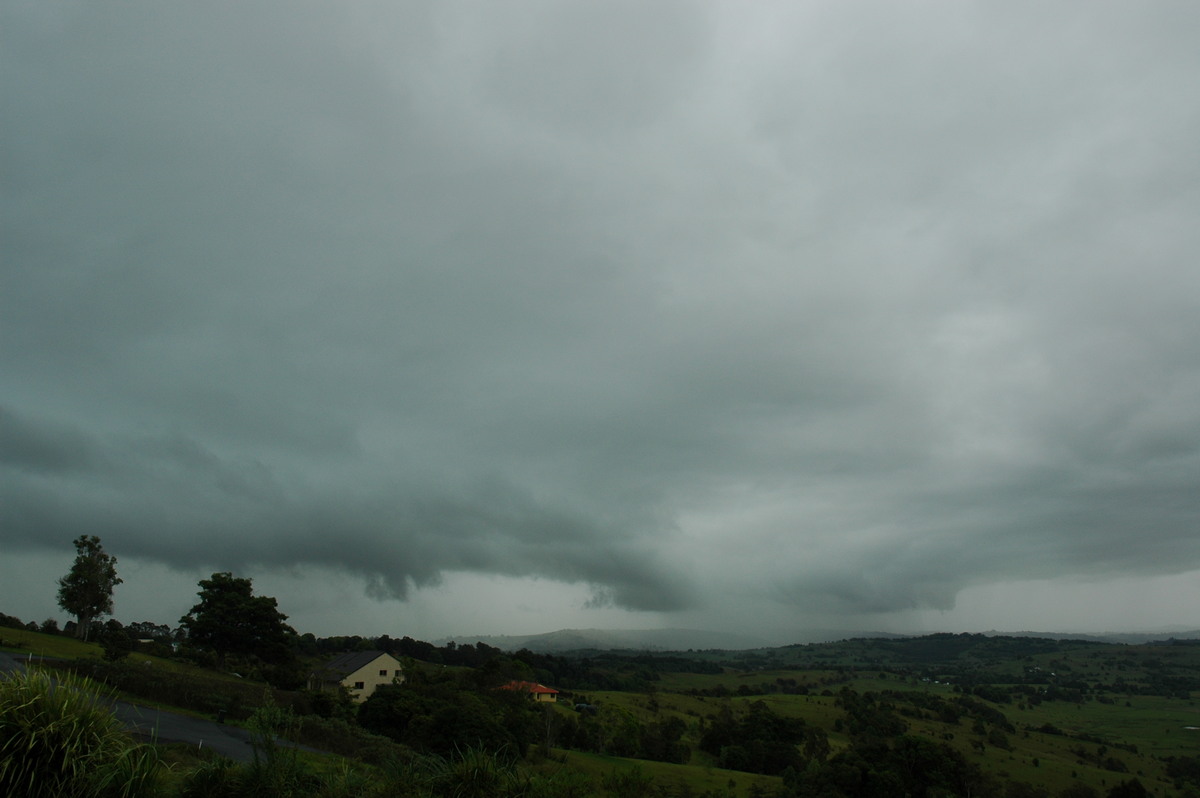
<point x="536" y="692"/>
<point x="360" y="672"/>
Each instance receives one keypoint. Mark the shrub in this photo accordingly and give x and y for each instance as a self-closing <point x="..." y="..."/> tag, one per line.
<point x="116" y="643"/>
<point x="217" y="779"/>
<point x="197" y="691"/>
<point x="59" y="738"/>
<point x="346" y="739"/>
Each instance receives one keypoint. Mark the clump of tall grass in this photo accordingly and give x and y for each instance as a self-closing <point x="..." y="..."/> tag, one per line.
<point x="275" y="772"/>
<point x="60" y="739"/>
<point x="478" y="773"/>
<point x="219" y="778"/>
<point x="340" y="737"/>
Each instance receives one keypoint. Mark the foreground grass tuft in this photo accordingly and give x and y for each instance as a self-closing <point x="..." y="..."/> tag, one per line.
<point x="59" y="738"/>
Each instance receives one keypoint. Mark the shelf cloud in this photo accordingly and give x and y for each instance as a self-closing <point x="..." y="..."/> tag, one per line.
<point x="702" y="311"/>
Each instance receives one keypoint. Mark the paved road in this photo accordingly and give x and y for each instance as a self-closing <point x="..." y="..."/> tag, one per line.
<point x="8" y="662"/>
<point x="171" y="727"/>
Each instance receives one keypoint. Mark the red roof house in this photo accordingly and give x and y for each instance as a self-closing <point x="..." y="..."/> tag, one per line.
<point x="536" y="692"/>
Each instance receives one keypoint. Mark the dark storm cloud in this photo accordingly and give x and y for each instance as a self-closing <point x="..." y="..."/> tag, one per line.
<point x="171" y="499"/>
<point x="844" y="308"/>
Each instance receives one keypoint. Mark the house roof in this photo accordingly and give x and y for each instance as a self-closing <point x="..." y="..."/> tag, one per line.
<point x="346" y="664"/>
<point x="529" y="687"/>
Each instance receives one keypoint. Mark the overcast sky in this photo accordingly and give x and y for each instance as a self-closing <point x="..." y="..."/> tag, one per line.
<point x="450" y="318"/>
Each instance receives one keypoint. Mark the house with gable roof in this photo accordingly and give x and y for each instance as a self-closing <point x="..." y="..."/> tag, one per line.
<point x="536" y="692"/>
<point x="360" y="672"/>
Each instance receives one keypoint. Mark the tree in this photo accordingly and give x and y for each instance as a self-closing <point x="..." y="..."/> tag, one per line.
<point x="1128" y="789"/>
<point x="115" y="640"/>
<point x="86" y="591"/>
<point x="230" y="619"/>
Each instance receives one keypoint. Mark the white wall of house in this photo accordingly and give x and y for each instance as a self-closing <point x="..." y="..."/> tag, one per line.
<point x="384" y="669"/>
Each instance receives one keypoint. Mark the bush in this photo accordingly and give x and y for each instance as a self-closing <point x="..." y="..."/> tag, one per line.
<point x="59" y="738"/>
<point x="116" y="643"/>
<point x="217" y="779"/>
<point x="345" y="739"/>
<point x="199" y="692"/>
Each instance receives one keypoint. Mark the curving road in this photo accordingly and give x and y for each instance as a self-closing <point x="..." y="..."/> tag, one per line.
<point x="170" y="727"/>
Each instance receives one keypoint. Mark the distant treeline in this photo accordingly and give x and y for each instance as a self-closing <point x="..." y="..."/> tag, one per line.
<point x="602" y="671"/>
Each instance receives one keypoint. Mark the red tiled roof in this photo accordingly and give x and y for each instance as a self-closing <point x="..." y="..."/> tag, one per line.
<point x="529" y="687"/>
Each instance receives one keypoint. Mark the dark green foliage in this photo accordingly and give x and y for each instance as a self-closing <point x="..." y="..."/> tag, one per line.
<point x="1128" y="789"/>
<point x="59" y="739"/>
<point x="662" y="741"/>
<point x="115" y="641"/>
<point x="330" y="704"/>
<point x="998" y="739"/>
<point x="476" y="773"/>
<point x="1079" y="791"/>
<point x="628" y="784"/>
<point x="870" y="715"/>
<point x="1019" y="789"/>
<point x="86" y="591"/>
<point x="195" y="691"/>
<point x="761" y="741"/>
<point x="230" y="619"/>
<point x="151" y="638"/>
<point x="443" y="717"/>
<point x="342" y="737"/>
<point x="1184" y="769"/>
<point x="216" y="779"/>
<point x="276" y="771"/>
<point x="909" y="766"/>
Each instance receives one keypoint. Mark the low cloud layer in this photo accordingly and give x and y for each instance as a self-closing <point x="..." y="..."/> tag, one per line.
<point x="838" y="308"/>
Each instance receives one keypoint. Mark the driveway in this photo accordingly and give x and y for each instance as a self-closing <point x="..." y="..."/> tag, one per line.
<point x="170" y="727"/>
<point x="160" y="726"/>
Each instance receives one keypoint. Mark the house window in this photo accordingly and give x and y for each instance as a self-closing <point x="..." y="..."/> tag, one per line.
<point x="358" y="685"/>
<point x="398" y="673"/>
<point x="383" y="672"/>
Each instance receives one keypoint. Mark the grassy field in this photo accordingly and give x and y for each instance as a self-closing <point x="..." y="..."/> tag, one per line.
<point x="1154" y="726"/>
<point x="23" y="641"/>
<point x="1120" y="724"/>
<point x="697" y="778"/>
<point x="1111" y="734"/>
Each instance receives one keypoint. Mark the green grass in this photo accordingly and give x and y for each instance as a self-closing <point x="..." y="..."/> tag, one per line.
<point x="698" y="778"/>
<point x="1153" y="724"/>
<point x="731" y="680"/>
<point x="23" y="641"/>
<point x="59" y="738"/>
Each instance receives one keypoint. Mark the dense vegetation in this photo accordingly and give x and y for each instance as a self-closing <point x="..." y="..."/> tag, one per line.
<point x="940" y="715"/>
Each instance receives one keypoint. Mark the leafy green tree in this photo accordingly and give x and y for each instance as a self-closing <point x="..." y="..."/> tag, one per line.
<point x="1128" y="789"/>
<point x="230" y="619"/>
<point x="444" y="718"/>
<point x="115" y="641"/>
<point x="761" y="741"/>
<point x="663" y="741"/>
<point x="86" y="591"/>
<point x="1079" y="791"/>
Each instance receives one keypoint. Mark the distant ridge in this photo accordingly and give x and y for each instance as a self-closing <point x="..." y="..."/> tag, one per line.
<point x="1131" y="638"/>
<point x="666" y="640"/>
<point x="651" y="640"/>
<point x="615" y="639"/>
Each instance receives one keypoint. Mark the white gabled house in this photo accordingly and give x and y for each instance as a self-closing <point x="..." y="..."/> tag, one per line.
<point x="360" y="672"/>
